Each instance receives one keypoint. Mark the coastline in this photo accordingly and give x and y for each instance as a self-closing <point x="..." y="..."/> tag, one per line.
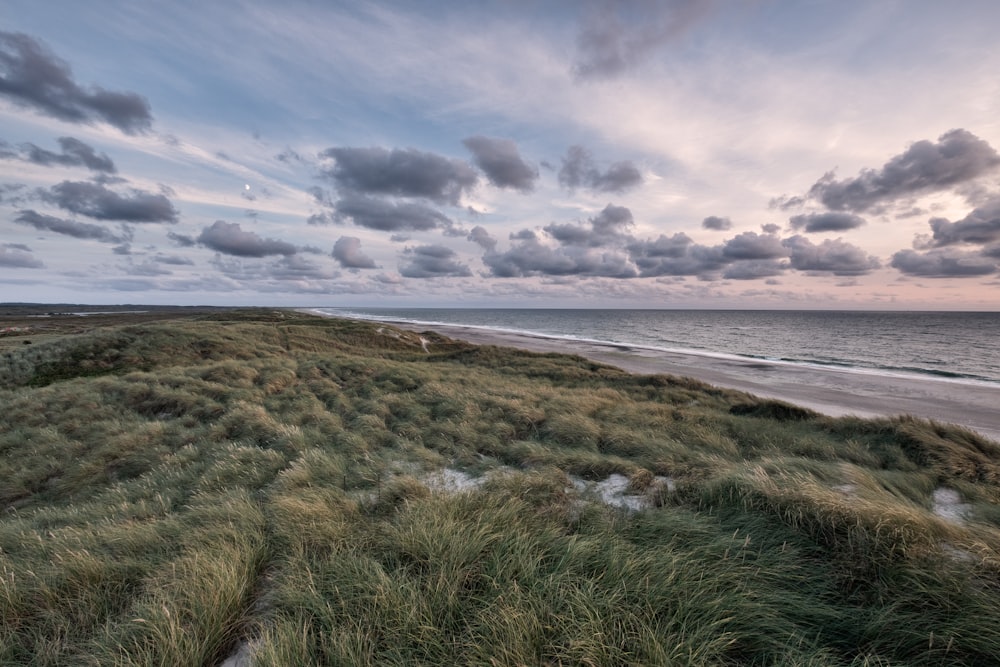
<point x="831" y="391"/>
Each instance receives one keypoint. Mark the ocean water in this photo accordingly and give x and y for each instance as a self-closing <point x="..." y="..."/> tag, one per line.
<point x="963" y="347"/>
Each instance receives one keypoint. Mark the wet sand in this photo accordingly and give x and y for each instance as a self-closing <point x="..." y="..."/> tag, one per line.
<point x="831" y="391"/>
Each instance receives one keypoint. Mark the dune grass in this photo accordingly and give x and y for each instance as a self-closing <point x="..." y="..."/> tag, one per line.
<point x="174" y="489"/>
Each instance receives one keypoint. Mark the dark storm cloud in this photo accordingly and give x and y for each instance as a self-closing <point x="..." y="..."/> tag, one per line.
<point x="502" y="164"/>
<point x="836" y="257"/>
<point x="403" y="173"/>
<point x="228" y="238"/>
<point x="387" y="216"/>
<point x="754" y="269"/>
<point x="79" y="230"/>
<point x="33" y="77"/>
<point x="347" y="251"/>
<point x="616" y="36"/>
<point x="433" y="261"/>
<point x="606" y="228"/>
<point x="96" y="201"/>
<point x="750" y="245"/>
<point x="579" y="170"/>
<point x="826" y="222"/>
<point x="717" y="223"/>
<point x="958" y="157"/>
<point x="75" y="153"/>
<point x="18" y="256"/>
<point x="981" y="226"/>
<point x="943" y="263"/>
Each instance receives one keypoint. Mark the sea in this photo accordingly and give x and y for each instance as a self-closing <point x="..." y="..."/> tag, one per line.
<point x="960" y="346"/>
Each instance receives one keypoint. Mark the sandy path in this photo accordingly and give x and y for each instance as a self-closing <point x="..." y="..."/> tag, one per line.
<point x="831" y="391"/>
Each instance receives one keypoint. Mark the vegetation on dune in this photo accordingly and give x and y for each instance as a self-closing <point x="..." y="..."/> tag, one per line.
<point x="175" y="489"/>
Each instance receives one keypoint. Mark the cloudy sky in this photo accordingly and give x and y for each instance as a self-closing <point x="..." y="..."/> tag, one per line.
<point x="640" y="153"/>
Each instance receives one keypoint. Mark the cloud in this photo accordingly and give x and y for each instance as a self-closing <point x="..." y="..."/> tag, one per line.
<point x="173" y="260"/>
<point x="75" y="153"/>
<point x="296" y="267"/>
<point x="619" y="35"/>
<point x="8" y="189"/>
<point x="182" y="240"/>
<point x="750" y="245"/>
<point x="322" y="218"/>
<point x="676" y="255"/>
<point x="943" y="263"/>
<point x="403" y="173"/>
<point x="981" y="226"/>
<point x="717" y="223"/>
<point x="836" y="257"/>
<point x="18" y="256"/>
<point x="530" y="257"/>
<point x="96" y="201"/>
<point x="754" y="269"/>
<point x="33" y="77"/>
<point x="607" y="227"/>
<point x="826" y="222"/>
<point x="388" y="216"/>
<point x="146" y="268"/>
<point x="482" y="238"/>
<point x="433" y="261"/>
<point x="502" y="164"/>
<point x="229" y="239"/>
<point x="347" y="251"/>
<point x="786" y="202"/>
<point x="958" y="157"/>
<point x="579" y="170"/>
<point x="79" y="230"/>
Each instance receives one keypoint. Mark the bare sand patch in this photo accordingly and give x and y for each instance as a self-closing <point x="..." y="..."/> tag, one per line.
<point x="947" y="504"/>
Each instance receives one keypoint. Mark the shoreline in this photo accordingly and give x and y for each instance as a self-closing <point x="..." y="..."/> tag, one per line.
<point x="831" y="391"/>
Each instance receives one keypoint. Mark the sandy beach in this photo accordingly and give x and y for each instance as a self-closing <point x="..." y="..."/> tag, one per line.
<point x="832" y="391"/>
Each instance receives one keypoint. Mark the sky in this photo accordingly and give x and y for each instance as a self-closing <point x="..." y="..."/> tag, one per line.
<point x="657" y="154"/>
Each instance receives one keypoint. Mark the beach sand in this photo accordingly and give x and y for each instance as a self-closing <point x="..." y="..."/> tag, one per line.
<point x="831" y="391"/>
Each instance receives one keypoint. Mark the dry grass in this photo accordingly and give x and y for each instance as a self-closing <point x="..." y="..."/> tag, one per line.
<point x="174" y="487"/>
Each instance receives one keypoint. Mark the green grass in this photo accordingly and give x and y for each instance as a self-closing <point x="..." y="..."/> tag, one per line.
<point x="177" y="486"/>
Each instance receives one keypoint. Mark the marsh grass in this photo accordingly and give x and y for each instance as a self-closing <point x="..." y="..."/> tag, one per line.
<point x="174" y="489"/>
